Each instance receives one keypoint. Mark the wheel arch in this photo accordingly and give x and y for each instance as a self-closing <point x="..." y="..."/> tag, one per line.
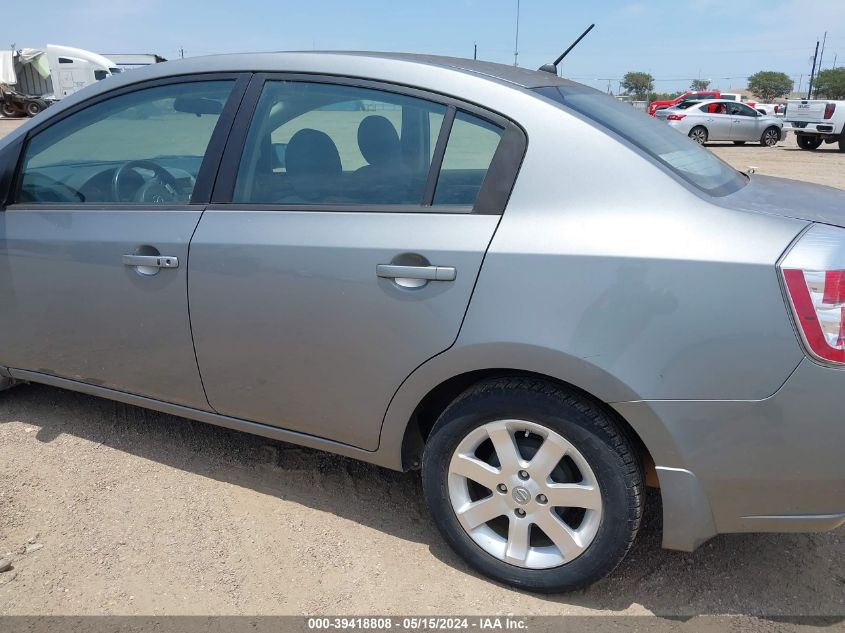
<point x="435" y="401"/>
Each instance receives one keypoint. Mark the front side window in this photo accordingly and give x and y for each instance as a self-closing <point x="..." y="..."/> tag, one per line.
<point x="691" y="162"/>
<point x="740" y="109"/>
<point x="319" y="143"/>
<point x="143" y="147"/>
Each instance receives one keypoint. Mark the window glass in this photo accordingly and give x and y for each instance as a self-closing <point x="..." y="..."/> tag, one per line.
<point x="469" y="152"/>
<point x="316" y="143"/>
<point x="695" y="164"/>
<point x="744" y="110"/>
<point x="142" y="147"/>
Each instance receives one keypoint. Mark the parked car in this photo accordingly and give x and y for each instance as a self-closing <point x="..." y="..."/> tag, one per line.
<point x="532" y="292"/>
<point x="815" y="122"/>
<point x="770" y="109"/>
<point x="689" y="95"/>
<point x="717" y="120"/>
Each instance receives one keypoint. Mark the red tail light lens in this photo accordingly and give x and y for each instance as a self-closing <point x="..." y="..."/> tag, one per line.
<point x="675" y="117"/>
<point x="814" y="275"/>
<point x="829" y="109"/>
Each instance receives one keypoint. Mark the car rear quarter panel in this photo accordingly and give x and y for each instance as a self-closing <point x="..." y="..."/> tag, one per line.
<point x="609" y="274"/>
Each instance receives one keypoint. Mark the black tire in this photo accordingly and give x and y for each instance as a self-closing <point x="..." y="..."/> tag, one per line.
<point x="739" y="142"/>
<point x="842" y="141"/>
<point x="699" y="134"/>
<point x="770" y="136"/>
<point x="588" y="428"/>
<point x="808" y="141"/>
<point x="33" y="108"/>
<point x="7" y="110"/>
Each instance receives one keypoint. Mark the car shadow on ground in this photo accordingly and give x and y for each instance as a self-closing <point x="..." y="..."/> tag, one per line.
<point x="762" y="575"/>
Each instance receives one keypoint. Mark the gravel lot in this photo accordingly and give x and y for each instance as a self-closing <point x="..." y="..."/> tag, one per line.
<point x="111" y="509"/>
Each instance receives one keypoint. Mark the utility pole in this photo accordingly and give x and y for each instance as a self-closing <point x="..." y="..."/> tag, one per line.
<point x="813" y="71"/>
<point x="821" y="58"/>
<point x="181" y="52"/>
<point x="475" y="51"/>
<point x="516" y="42"/>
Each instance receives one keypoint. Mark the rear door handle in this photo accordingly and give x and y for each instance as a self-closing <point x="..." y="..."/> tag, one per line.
<point x="153" y="261"/>
<point x="430" y="273"/>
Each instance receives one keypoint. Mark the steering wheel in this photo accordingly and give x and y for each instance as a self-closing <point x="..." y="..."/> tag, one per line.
<point x="160" y="189"/>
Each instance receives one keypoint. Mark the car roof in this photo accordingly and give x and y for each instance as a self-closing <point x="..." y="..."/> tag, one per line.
<point x="525" y="77"/>
<point x="366" y="61"/>
<point x="725" y="101"/>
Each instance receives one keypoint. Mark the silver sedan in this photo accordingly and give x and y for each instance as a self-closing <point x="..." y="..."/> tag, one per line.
<point x="538" y="296"/>
<point x="721" y="120"/>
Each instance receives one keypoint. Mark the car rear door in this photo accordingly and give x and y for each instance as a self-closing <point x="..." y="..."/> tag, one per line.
<point x="95" y="244"/>
<point x="348" y="229"/>
<point x="718" y="122"/>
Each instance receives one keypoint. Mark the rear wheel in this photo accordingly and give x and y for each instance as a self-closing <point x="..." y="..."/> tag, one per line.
<point x="842" y="141"/>
<point x="33" y="108"/>
<point x="533" y="485"/>
<point x="808" y="141"/>
<point x="698" y="134"/>
<point x="770" y="137"/>
<point x="7" y="109"/>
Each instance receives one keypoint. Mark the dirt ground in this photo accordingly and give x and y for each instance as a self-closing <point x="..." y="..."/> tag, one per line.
<point x="110" y="509"/>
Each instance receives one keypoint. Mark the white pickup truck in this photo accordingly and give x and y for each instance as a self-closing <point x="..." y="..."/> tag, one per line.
<point x="815" y="122"/>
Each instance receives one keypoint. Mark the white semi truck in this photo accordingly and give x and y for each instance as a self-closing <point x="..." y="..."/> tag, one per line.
<point x="38" y="77"/>
<point x="815" y="122"/>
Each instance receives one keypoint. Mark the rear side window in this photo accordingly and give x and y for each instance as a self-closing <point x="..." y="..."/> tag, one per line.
<point x="331" y="144"/>
<point x="695" y="164"/>
<point x="319" y="143"/>
<point x="143" y="147"/>
<point x="469" y="152"/>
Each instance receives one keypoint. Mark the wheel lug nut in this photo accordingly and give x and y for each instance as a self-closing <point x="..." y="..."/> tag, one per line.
<point x="519" y="512"/>
<point x="542" y="499"/>
<point x="523" y="474"/>
<point x="502" y="488"/>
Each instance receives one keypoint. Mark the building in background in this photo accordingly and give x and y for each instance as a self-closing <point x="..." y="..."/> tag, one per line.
<point x="128" y="61"/>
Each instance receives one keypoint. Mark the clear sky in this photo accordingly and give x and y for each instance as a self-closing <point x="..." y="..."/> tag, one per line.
<point x="674" y="40"/>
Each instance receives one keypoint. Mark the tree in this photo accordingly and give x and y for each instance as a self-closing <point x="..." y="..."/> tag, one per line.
<point x="768" y="85"/>
<point x="699" y="84"/>
<point x="830" y="83"/>
<point x="662" y="96"/>
<point x="638" y="84"/>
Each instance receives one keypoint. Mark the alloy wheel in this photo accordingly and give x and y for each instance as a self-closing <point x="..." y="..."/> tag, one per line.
<point x="699" y="136"/>
<point x="770" y="138"/>
<point x="524" y="494"/>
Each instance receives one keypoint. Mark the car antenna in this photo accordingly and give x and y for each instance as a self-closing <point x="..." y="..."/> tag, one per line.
<point x="552" y="68"/>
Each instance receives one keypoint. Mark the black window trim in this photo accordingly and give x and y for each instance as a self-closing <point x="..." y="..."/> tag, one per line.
<point x="209" y="168"/>
<point x="495" y="188"/>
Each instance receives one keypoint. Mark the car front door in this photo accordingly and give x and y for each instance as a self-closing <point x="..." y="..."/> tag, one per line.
<point x="95" y="244"/>
<point x="344" y="249"/>
<point x="744" y="123"/>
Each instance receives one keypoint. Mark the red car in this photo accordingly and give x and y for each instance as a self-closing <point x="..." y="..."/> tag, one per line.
<point x="689" y="95"/>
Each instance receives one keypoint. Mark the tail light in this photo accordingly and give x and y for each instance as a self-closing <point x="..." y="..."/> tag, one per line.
<point x="675" y="117"/>
<point x="814" y="276"/>
<point x="829" y="109"/>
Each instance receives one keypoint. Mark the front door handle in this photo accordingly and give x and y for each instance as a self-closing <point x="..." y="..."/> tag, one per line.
<point x="151" y="261"/>
<point x="430" y="273"/>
